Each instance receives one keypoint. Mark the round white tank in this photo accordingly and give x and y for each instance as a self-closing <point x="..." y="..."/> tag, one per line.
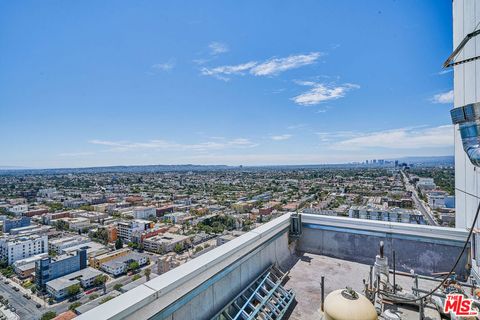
<point x="345" y="304"/>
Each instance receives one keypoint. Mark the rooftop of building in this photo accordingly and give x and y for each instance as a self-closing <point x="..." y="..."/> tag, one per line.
<point x="112" y="253"/>
<point x="73" y="278"/>
<point x="308" y="268"/>
<point x="339" y="248"/>
<point x="116" y="262"/>
<point x="167" y="237"/>
<point x="69" y="239"/>
<point x="90" y="246"/>
<point x="22" y="238"/>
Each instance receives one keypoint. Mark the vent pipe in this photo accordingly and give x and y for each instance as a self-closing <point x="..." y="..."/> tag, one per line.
<point x="468" y="119"/>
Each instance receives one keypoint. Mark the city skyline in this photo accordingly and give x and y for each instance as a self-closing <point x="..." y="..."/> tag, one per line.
<point x="216" y="83"/>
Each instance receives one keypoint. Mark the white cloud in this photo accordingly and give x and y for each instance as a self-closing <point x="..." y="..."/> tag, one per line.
<point x="217" y="48"/>
<point x="221" y="72"/>
<point x="122" y="146"/>
<point x="164" y="66"/>
<point x="281" y="137"/>
<point x="271" y="67"/>
<point x="297" y="126"/>
<point x="321" y="92"/>
<point x="445" y="71"/>
<point x="402" y="138"/>
<point x="275" y="66"/>
<point x="444" y="97"/>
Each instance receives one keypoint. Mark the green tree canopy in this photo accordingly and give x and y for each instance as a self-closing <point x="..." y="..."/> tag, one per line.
<point x="118" y="243"/>
<point x="73" y="290"/>
<point x="48" y="315"/>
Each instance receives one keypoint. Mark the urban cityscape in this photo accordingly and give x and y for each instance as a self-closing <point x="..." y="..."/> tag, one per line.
<point x="235" y="161"/>
<point x="89" y="237"/>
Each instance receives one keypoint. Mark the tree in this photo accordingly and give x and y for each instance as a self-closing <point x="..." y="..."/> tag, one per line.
<point x="61" y="225"/>
<point x="147" y="273"/>
<point x="178" y="248"/>
<point x="118" y="244"/>
<point x="73" y="290"/>
<point x="100" y="280"/>
<point x="48" y="315"/>
<point x="117" y="286"/>
<point x="133" y="266"/>
<point x="54" y="206"/>
<point x="74" y="305"/>
<point x="136" y="277"/>
<point x="93" y="296"/>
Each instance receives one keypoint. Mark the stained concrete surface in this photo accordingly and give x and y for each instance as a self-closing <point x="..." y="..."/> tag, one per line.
<point x="305" y="276"/>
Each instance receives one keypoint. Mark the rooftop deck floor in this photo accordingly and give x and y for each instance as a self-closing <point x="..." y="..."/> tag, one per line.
<point x="305" y="276"/>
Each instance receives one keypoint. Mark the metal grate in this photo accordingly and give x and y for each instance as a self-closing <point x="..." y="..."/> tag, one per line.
<point x="264" y="298"/>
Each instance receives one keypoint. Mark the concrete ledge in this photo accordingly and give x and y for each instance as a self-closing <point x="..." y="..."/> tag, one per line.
<point x="442" y="233"/>
<point x="152" y="297"/>
<point x="425" y="249"/>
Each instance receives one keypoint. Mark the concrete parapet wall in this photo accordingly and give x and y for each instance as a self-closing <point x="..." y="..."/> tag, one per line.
<point x="424" y="249"/>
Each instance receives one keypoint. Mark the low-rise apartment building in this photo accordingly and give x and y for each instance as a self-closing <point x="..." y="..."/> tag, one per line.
<point x="165" y="242"/>
<point x="121" y="264"/>
<point x="13" y="248"/>
<point x="58" y="288"/>
<point x="97" y="261"/>
<point x="58" y="245"/>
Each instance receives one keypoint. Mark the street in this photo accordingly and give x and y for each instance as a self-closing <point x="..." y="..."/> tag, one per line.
<point x="25" y="308"/>
<point x="419" y="204"/>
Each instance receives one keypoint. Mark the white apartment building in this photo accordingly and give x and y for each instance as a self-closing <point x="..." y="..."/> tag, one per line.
<point x="144" y="212"/>
<point x="48" y="193"/>
<point x="426" y="184"/>
<point x="126" y="229"/>
<point x="76" y="223"/>
<point x="371" y="212"/>
<point x="120" y="265"/>
<point x="165" y="243"/>
<point x="19" y="209"/>
<point x="58" y="245"/>
<point x="16" y="248"/>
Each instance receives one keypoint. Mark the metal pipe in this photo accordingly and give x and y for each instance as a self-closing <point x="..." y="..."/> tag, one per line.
<point x="322" y="286"/>
<point x="370" y="280"/>
<point x="416" y="284"/>
<point x="421" y="317"/>
<point x="378" y="285"/>
<point x="440" y="295"/>
<point x="406" y="274"/>
<point x="468" y="119"/>
<point x="394" y="282"/>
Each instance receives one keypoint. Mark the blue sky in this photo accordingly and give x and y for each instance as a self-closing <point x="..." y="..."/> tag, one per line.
<point x="90" y="83"/>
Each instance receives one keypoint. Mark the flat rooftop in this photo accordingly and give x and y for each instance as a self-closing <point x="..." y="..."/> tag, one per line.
<point x="306" y="272"/>
<point x="341" y="249"/>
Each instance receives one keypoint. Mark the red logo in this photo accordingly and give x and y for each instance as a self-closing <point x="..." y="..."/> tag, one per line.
<point x="459" y="305"/>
